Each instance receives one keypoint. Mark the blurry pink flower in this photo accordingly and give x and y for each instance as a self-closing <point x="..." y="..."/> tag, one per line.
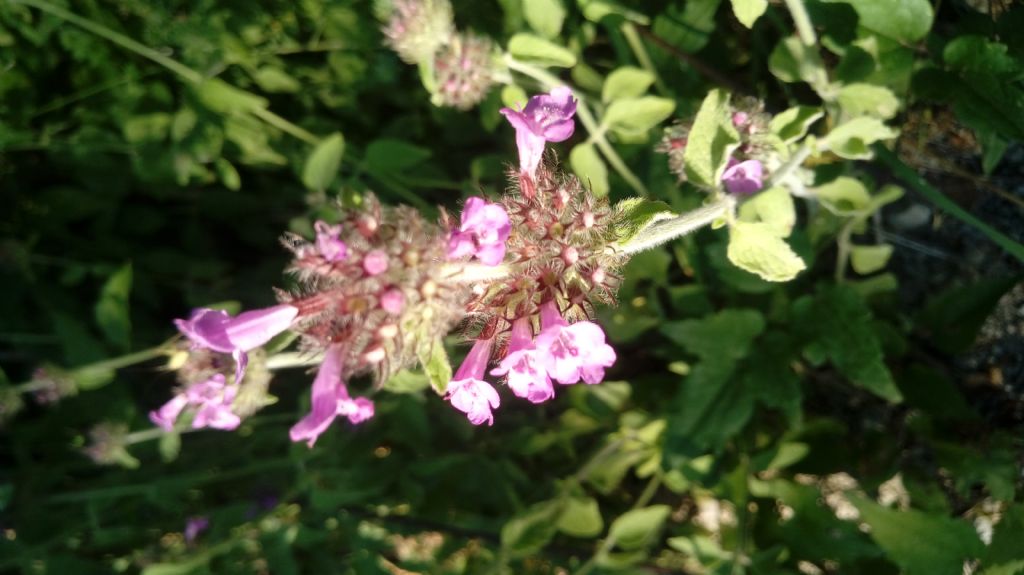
<point x="217" y="331"/>
<point x="327" y="243"/>
<point x="468" y="391"/>
<point x="194" y="526"/>
<point x="743" y="177"/>
<point x="571" y="352"/>
<point x="375" y="263"/>
<point x="211" y="398"/>
<point x="546" y="118"/>
<point x="526" y="377"/>
<point x="392" y="301"/>
<point x="330" y="399"/>
<point x="482" y="232"/>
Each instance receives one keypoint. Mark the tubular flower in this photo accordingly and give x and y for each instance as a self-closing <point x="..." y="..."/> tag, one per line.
<point x="468" y="391"/>
<point x="217" y="331"/>
<point x="546" y="118"/>
<point x="572" y="352"/>
<point x="211" y="398"/>
<point x="743" y="177"/>
<point x="526" y="377"/>
<point x="327" y="243"/>
<point x="483" y="231"/>
<point x="330" y="399"/>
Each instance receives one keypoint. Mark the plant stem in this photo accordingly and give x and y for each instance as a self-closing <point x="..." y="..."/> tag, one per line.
<point x="802" y="21"/>
<point x="795" y="161"/>
<point x="548" y="81"/>
<point x="473" y="273"/>
<point x="101" y="366"/>
<point x="668" y="230"/>
<point x="609" y="543"/>
<point x="292" y="359"/>
<point x="637" y="46"/>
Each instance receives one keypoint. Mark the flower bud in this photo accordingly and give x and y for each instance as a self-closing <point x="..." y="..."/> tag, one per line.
<point x="416" y="29"/>
<point x="463" y="71"/>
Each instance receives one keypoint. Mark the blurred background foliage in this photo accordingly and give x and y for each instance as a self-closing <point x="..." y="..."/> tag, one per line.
<point x="151" y="154"/>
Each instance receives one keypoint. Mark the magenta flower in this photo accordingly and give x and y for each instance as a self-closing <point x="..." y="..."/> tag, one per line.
<point x="194" y="526"/>
<point x="482" y="232"/>
<point x="330" y="399"/>
<point x="468" y="391"/>
<point x="211" y="398"/>
<point x="375" y="263"/>
<point x="327" y="243"/>
<point x="526" y="377"/>
<point x="392" y="301"/>
<point x="217" y="331"/>
<point x="546" y="118"/>
<point x="571" y="352"/>
<point x="743" y="177"/>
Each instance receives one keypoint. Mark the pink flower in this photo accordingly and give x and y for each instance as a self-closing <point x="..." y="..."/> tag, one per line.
<point x="330" y="399"/>
<point x="743" y="177"/>
<point x="546" y="118"/>
<point x="392" y="301"/>
<point x="211" y="398"/>
<point x="571" y="352"/>
<point x="526" y="377"/>
<point x="482" y="233"/>
<point x="217" y="331"/>
<point x="327" y="243"/>
<point x="468" y="391"/>
<point x="194" y="526"/>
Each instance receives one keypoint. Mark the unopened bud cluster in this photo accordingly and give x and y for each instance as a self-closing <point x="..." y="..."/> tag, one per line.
<point x="745" y="171"/>
<point x="458" y="66"/>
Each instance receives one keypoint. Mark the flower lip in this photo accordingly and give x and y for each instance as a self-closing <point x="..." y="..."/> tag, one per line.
<point x="468" y="392"/>
<point x="546" y="118"/>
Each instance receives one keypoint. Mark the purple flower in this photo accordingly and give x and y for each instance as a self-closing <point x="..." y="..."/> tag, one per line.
<point x="546" y="118"/>
<point x="194" y="526"/>
<point x="468" y="391"/>
<point x="211" y="398"/>
<point x="330" y="399"/>
<point x="482" y="232"/>
<point x="526" y="377"/>
<point x="327" y="243"/>
<point x="743" y="177"/>
<point x="571" y="352"/>
<point x="217" y="331"/>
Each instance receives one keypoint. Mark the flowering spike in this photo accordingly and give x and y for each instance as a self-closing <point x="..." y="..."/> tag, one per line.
<point x="468" y="391"/>
<point x="546" y="118"/>
<point x="463" y="71"/>
<point x="416" y="29"/>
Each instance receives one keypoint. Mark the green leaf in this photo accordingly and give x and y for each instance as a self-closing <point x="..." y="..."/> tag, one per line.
<point x="581" y="518"/>
<point x="513" y="96"/>
<point x="530" y="531"/>
<point x="228" y="175"/>
<point x="868" y="100"/>
<point x="276" y="80"/>
<point x="726" y="335"/>
<point x="597" y="10"/>
<point x="921" y="543"/>
<point x="386" y="156"/>
<point x="537" y="50"/>
<point x="638" y="528"/>
<point x="793" y="61"/>
<point x="638" y="115"/>
<point x="757" y="248"/>
<point x="688" y="26"/>
<point x="435" y="364"/>
<point x="851" y="139"/>
<point x="219" y="96"/>
<point x="626" y="82"/>
<point x="112" y="312"/>
<point x="986" y="92"/>
<point x="544" y="16"/>
<point x="589" y="168"/>
<point x="843" y="196"/>
<point x="904" y="21"/>
<point x="1005" y="545"/>
<point x="748" y="11"/>
<point x="407" y="381"/>
<point x="634" y="215"/>
<point x="711" y="141"/>
<point x="792" y="124"/>
<point x="323" y="162"/>
<point x="146" y="128"/>
<point x="837" y="322"/>
<point x="954" y="317"/>
<point x="774" y="207"/>
<point x="869" y="259"/>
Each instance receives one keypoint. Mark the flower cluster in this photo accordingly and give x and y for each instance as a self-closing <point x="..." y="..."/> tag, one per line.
<point x="458" y="67"/>
<point x="558" y="265"/>
<point x="745" y="171"/>
<point x="378" y="289"/>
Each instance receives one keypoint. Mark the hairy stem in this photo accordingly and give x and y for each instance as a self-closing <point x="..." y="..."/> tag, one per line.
<point x="802" y="21"/>
<point x="586" y="117"/>
<point x="473" y="272"/>
<point x="293" y="359"/>
<point x="668" y="230"/>
<point x="102" y="366"/>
